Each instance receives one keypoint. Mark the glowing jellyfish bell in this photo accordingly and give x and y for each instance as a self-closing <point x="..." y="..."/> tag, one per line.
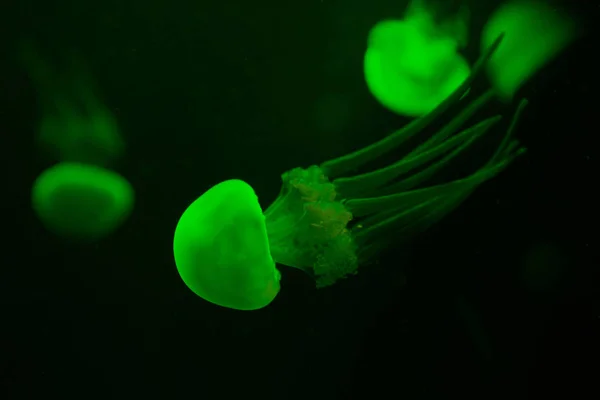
<point x="222" y="251"/>
<point x="412" y="65"/>
<point x="81" y="201"/>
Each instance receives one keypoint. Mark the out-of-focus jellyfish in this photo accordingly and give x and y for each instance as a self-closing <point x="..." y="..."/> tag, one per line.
<point x="329" y="219"/>
<point x="81" y="201"/>
<point x="441" y="18"/>
<point x="412" y="65"/>
<point x="534" y="33"/>
<point x="77" y="198"/>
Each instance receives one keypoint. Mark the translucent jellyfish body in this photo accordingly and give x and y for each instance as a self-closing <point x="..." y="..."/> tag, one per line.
<point x="222" y="251"/>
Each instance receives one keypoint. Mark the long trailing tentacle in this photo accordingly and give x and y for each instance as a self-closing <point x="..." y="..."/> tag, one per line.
<point x="438" y="144"/>
<point x="362" y="207"/>
<point x="417" y="210"/>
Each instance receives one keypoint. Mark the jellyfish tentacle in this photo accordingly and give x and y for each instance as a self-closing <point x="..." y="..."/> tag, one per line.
<point x="455" y="123"/>
<point x="508" y="150"/>
<point x="456" y="145"/>
<point x="507" y="146"/>
<point x="437" y="145"/>
<point x="362" y="207"/>
<point x="423" y="207"/>
<point x="425" y="212"/>
<point x="349" y="162"/>
<point x="502" y="158"/>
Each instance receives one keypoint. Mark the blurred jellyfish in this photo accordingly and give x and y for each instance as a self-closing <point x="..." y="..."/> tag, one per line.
<point x="81" y="201"/>
<point x="534" y="33"/>
<point x="77" y="198"/>
<point x="412" y="65"/>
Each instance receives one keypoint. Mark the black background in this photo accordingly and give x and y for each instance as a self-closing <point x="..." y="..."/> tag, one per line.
<point x="501" y="295"/>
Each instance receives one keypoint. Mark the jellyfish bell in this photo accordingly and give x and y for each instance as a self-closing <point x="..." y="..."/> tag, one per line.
<point x="408" y="71"/>
<point x="80" y="201"/>
<point x="441" y="18"/>
<point x="222" y="251"/>
<point x="412" y="65"/>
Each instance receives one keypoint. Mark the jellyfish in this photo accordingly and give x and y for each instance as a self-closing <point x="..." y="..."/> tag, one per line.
<point x="411" y="65"/>
<point x="329" y="218"/>
<point x="441" y="18"/>
<point x="534" y="33"/>
<point x="81" y="201"/>
<point x="79" y="197"/>
<point x="222" y="250"/>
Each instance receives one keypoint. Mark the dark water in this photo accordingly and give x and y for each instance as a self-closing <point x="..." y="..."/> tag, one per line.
<point x="501" y="299"/>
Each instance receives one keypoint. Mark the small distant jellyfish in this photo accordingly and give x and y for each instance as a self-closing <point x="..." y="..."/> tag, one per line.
<point x="78" y="198"/>
<point x="81" y="201"/>
<point x="413" y="64"/>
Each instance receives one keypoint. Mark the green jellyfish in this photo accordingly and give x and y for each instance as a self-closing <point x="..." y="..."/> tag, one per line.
<point x="412" y="65"/>
<point x="535" y="33"/>
<point x="222" y="250"/>
<point x="331" y="218"/>
<point x="78" y="198"/>
<point x="327" y="221"/>
<point x="81" y="201"/>
<point x="338" y="219"/>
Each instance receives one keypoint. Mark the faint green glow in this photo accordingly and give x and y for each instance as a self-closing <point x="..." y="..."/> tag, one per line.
<point x="75" y="125"/>
<point x="77" y="198"/>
